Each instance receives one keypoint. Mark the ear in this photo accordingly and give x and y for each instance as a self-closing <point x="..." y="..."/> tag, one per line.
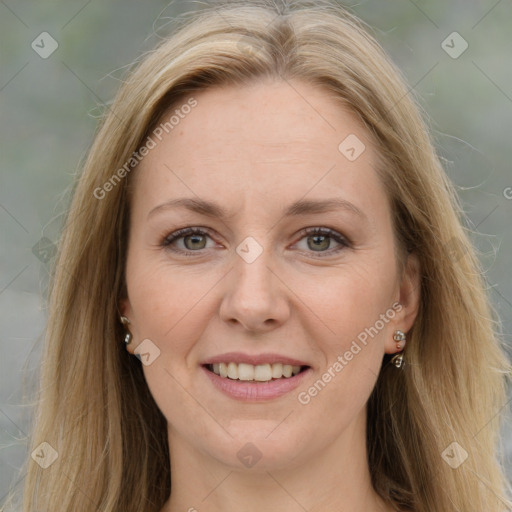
<point x="409" y="294"/>
<point x="125" y="307"/>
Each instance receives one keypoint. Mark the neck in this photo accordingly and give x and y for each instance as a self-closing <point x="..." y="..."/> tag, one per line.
<point x="338" y="478"/>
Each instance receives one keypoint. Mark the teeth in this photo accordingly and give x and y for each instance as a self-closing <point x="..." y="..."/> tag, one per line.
<point x="233" y="371"/>
<point x="277" y="370"/>
<point x="245" y="371"/>
<point x="259" y="373"/>
<point x="263" y="372"/>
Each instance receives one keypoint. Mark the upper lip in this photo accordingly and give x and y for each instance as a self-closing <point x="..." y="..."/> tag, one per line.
<point x="239" y="357"/>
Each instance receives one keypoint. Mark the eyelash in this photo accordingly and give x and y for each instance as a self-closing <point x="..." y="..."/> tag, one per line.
<point x="181" y="233"/>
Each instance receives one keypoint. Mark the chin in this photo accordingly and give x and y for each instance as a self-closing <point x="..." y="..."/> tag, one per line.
<point x="255" y="450"/>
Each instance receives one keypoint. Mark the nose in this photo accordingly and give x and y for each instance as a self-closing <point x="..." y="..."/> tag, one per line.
<point x="255" y="298"/>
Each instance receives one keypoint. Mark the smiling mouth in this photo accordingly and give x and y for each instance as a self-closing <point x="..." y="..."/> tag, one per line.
<point x="251" y="373"/>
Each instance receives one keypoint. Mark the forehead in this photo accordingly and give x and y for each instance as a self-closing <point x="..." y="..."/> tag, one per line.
<point x="275" y="115"/>
<point x="267" y="140"/>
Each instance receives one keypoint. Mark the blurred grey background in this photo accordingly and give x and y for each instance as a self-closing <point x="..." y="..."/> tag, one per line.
<point x="50" y="104"/>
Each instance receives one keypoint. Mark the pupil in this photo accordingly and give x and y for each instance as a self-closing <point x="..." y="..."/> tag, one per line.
<point x="318" y="239"/>
<point x="194" y="239"/>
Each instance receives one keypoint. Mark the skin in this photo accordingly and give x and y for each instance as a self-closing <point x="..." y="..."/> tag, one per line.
<point x="256" y="149"/>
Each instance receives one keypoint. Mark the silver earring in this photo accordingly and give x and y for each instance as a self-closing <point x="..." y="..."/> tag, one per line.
<point x="128" y="335"/>
<point x="398" y="359"/>
<point x="399" y="335"/>
<point x="127" y="338"/>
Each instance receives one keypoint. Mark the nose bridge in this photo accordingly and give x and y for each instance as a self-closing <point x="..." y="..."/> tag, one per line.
<point x="254" y="296"/>
<point x="253" y="280"/>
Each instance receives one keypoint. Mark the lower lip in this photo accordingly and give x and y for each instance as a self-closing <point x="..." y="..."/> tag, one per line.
<point x="251" y="391"/>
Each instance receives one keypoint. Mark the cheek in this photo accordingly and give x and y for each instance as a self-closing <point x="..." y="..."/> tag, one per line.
<point x="352" y="299"/>
<point x="168" y="303"/>
<point x="356" y="310"/>
<point x="169" y="308"/>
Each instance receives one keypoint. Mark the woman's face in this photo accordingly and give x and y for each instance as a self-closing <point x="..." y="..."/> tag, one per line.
<point x="294" y="263"/>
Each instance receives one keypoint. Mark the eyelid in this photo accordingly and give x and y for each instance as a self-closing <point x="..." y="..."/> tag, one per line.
<point x="324" y="230"/>
<point x="182" y="233"/>
<point x="343" y="241"/>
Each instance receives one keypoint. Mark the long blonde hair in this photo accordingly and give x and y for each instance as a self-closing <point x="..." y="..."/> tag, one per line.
<point x="95" y="408"/>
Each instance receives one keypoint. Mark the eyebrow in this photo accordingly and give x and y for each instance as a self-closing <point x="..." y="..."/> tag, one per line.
<point x="300" y="207"/>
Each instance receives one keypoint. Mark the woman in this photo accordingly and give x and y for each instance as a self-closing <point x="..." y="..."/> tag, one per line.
<point x="202" y="355"/>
